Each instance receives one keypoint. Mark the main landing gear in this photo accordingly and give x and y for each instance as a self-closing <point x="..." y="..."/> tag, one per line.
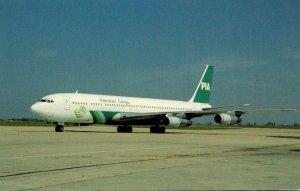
<point x="124" y="129"/>
<point x="153" y="129"/>
<point x="59" y="128"/>
<point x="157" y="129"/>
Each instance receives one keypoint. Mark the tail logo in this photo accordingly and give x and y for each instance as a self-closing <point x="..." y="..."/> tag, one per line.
<point x="205" y="86"/>
<point x="202" y="93"/>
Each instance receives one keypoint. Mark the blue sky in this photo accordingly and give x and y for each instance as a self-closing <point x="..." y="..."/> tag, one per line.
<point x="151" y="49"/>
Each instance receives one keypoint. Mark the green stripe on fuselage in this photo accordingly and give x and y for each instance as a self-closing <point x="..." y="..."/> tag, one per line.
<point x="101" y="117"/>
<point x="96" y="117"/>
<point x="109" y="114"/>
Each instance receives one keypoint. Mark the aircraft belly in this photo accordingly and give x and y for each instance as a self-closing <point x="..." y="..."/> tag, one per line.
<point x="135" y="122"/>
<point x="85" y="119"/>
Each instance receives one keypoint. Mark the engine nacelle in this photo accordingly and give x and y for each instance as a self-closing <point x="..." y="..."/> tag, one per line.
<point x="227" y="119"/>
<point x="176" y="122"/>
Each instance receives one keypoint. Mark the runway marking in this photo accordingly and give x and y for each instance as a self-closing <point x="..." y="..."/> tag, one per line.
<point x="74" y="167"/>
<point x="94" y="152"/>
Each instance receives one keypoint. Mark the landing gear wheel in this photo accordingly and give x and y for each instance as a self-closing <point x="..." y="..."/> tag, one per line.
<point x="59" y="128"/>
<point x="157" y="129"/>
<point x="162" y="129"/>
<point x="119" y="129"/>
<point x="124" y="129"/>
<point x="152" y="129"/>
<point x="129" y="129"/>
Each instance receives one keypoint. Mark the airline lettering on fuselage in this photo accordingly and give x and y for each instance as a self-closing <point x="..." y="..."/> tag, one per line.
<point x="114" y="101"/>
<point x="205" y="86"/>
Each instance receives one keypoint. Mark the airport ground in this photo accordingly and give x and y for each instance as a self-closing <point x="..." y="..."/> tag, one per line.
<point x="98" y="158"/>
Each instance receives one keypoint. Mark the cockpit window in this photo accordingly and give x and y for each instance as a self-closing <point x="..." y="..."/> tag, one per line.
<point x="48" y="100"/>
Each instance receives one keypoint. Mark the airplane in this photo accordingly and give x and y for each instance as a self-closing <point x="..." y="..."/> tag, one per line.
<point x="87" y="109"/>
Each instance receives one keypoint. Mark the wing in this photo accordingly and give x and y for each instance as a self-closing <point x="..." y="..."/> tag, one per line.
<point x="125" y="117"/>
<point x="161" y="115"/>
<point x="237" y="113"/>
<point x="241" y="112"/>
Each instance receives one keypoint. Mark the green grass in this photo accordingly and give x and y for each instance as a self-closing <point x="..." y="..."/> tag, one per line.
<point x="24" y="123"/>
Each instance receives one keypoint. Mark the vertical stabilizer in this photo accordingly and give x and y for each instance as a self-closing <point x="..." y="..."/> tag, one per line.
<point x="202" y="93"/>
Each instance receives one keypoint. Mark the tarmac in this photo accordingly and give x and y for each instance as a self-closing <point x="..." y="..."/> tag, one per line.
<point x="98" y="158"/>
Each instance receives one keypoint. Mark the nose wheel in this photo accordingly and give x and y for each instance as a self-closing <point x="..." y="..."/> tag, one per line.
<point x="59" y="128"/>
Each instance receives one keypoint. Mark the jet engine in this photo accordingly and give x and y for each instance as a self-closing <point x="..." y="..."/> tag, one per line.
<point x="176" y="122"/>
<point x="224" y="118"/>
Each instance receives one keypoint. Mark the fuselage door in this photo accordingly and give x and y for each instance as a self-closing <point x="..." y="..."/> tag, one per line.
<point x="67" y="103"/>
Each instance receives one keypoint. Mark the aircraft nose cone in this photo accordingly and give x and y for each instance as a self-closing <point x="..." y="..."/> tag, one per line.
<point x="34" y="108"/>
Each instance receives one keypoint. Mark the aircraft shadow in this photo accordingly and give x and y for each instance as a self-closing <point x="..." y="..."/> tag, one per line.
<point x="115" y="132"/>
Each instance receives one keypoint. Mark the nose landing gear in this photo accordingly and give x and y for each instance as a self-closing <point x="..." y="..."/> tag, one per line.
<point x="59" y="128"/>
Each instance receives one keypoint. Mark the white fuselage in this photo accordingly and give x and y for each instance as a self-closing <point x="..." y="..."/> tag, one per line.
<point x="80" y="108"/>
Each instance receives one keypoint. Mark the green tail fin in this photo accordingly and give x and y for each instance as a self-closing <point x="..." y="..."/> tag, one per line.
<point x="202" y="93"/>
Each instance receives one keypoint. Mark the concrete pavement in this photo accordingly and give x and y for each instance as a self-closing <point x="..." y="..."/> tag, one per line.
<point x="98" y="158"/>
